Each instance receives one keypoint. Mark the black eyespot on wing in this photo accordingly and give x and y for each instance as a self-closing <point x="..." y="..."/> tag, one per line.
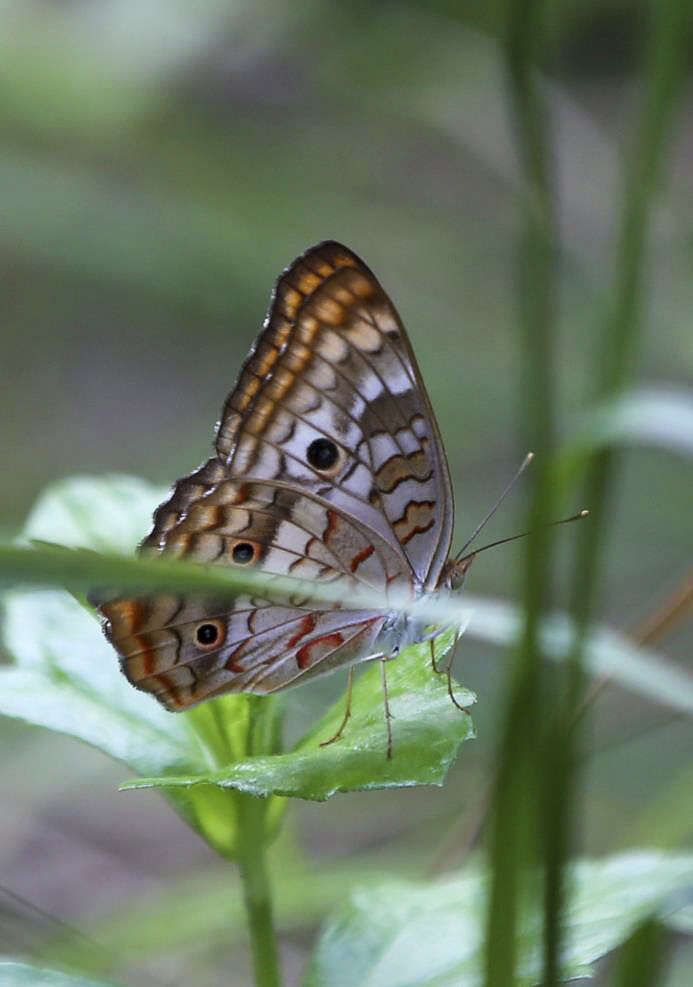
<point x="243" y="553"/>
<point x="322" y="454"/>
<point x="209" y="634"/>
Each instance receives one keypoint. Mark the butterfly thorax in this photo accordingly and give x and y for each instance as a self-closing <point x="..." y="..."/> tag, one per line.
<point x="401" y="629"/>
<point x="398" y="632"/>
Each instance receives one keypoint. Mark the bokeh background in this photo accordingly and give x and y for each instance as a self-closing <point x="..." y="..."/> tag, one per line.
<point x="161" y="162"/>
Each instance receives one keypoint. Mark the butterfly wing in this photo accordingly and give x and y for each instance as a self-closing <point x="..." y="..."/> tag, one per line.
<point x="261" y="647"/>
<point x="186" y="650"/>
<point x="329" y="466"/>
<point x="334" y="363"/>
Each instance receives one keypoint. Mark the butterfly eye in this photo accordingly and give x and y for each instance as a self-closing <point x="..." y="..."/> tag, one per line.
<point x="323" y="454"/>
<point x="243" y="553"/>
<point x="209" y="634"/>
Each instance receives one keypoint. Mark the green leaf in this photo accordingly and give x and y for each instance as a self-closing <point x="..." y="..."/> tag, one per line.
<point x="66" y="675"/>
<point x="409" y="934"/>
<point x="427" y="732"/>
<point x="66" y="678"/>
<point x="23" y="975"/>
<point x="109" y="513"/>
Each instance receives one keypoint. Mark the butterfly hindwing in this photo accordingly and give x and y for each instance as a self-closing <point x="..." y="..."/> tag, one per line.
<point x="255" y="645"/>
<point x="186" y="651"/>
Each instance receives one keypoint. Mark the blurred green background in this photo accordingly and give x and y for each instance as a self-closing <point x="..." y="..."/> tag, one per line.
<point x="161" y="162"/>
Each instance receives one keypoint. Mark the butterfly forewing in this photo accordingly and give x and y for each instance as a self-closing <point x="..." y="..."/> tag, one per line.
<point x="328" y="466"/>
<point x="334" y="362"/>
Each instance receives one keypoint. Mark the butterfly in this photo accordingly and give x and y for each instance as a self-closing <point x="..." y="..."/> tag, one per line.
<point x="328" y="465"/>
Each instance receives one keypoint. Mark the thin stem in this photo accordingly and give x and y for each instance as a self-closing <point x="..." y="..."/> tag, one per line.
<point x="256" y="889"/>
<point x="666" y="62"/>
<point x="615" y="363"/>
<point x="252" y="855"/>
<point x="655" y="625"/>
<point x="671" y="611"/>
<point x="522" y="751"/>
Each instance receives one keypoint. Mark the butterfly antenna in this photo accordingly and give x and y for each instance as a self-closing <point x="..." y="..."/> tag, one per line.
<point x="503" y="541"/>
<point x="523" y="466"/>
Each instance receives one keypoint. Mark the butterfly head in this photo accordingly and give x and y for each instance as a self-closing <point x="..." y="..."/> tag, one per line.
<point x="455" y="572"/>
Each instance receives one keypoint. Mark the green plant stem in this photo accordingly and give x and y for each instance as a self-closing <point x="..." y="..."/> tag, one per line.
<point x="666" y="58"/>
<point x="252" y="861"/>
<point x="665" y="71"/>
<point x="252" y="854"/>
<point x="665" y="64"/>
<point x="518" y="792"/>
<point x="253" y="837"/>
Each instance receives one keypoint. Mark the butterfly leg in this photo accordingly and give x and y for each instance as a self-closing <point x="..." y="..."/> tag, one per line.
<point x="436" y="668"/>
<point x="347" y="713"/>
<point x="386" y="703"/>
<point x="432" y="637"/>
<point x="448" y="673"/>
